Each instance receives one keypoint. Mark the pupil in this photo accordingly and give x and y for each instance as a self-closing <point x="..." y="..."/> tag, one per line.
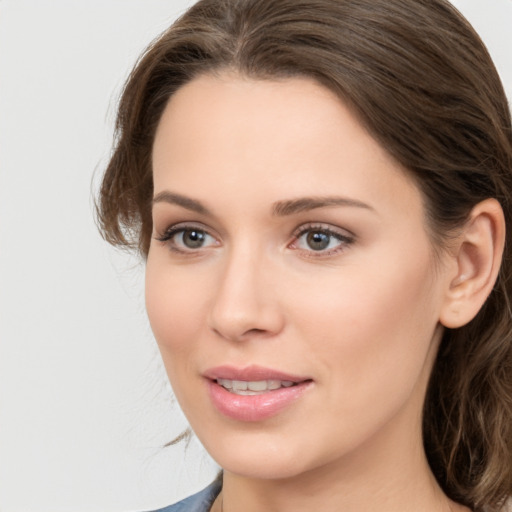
<point x="193" y="239"/>
<point x="318" y="241"/>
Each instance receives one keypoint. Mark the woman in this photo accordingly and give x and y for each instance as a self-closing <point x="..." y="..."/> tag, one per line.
<point x="322" y="191"/>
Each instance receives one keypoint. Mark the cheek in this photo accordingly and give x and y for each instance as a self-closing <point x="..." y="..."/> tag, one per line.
<point x="177" y="307"/>
<point x="371" y="329"/>
<point x="174" y="305"/>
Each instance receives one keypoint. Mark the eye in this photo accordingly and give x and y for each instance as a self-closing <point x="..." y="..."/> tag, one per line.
<point x="187" y="238"/>
<point x="192" y="238"/>
<point x="321" y="240"/>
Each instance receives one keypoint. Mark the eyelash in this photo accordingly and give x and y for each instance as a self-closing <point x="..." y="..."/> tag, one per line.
<point x="168" y="237"/>
<point x="344" y="239"/>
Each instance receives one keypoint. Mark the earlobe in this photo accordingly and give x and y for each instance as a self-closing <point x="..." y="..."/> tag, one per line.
<point x="478" y="255"/>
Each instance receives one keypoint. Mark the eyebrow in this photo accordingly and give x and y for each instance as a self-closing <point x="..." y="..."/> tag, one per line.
<point x="280" y="208"/>
<point x="290" y="207"/>
<point x="183" y="201"/>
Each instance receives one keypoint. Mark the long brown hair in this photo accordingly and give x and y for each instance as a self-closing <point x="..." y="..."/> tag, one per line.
<point x="423" y="84"/>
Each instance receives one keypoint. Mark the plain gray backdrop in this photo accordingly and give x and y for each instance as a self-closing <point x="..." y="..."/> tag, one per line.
<point x="84" y="403"/>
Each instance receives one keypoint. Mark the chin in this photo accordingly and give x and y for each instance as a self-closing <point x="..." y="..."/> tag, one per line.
<point x="264" y="467"/>
<point x="262" y="456"/>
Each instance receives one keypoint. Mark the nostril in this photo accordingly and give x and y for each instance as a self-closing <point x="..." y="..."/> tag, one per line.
<point x="243" y="334"/>
<point x="235" y="316"/>
<point x="255" y="331"/>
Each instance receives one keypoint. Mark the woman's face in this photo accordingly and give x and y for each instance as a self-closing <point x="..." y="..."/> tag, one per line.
<point x="291" y="284"/>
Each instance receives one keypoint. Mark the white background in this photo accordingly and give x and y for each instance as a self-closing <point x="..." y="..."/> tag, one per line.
<point x="84" y="403"/>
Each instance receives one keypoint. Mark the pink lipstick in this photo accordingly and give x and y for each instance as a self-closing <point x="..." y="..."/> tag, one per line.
<point x="253" y="393"/>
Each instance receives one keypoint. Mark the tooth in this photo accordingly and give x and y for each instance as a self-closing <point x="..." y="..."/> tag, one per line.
<point x="273" y="384"/>
<point x="225" y="383"/>
<point x="287" y="383"/>
<point x="259" y="385"/>
<point x="239" y="385"/>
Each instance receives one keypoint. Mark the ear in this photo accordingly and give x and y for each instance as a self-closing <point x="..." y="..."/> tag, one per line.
<point x="477" y="259"/>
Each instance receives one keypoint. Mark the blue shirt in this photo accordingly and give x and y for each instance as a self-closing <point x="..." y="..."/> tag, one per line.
<point x="200" y="502"/>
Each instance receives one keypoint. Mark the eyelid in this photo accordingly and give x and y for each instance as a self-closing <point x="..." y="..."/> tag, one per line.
<point x="167" y="235"/>
<point x="345" y="237"/>
<point x="325" y="227"/>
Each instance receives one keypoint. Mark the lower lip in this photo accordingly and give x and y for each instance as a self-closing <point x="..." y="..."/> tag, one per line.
<point x="254" y="407"/>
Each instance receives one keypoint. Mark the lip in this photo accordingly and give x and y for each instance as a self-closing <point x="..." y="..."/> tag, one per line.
<point x="252" y="372"/>
<point x="252" y="408"/>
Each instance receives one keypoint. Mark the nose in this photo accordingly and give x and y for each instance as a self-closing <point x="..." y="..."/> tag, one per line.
<point x="245" y="304"/>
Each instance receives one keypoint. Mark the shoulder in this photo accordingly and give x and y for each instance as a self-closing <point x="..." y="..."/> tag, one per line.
<point x="200" y="502"/>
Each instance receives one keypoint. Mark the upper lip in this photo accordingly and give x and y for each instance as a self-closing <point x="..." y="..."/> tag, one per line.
<point x="250" y="373"/>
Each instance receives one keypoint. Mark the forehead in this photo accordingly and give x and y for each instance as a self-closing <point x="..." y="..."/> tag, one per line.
<point x="231" y="136"/>
<point x="244" y="109"/>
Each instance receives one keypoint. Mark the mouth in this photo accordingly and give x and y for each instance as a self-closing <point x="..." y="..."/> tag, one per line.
<point x="254" y="387"/>
<point x="254" y="393"/>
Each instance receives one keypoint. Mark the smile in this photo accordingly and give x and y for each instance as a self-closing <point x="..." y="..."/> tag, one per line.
<point x="255" y="387"/>
<point x="254" y="393"/>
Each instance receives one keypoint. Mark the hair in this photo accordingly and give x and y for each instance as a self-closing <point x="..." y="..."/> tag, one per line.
<point x="423" y="84"/>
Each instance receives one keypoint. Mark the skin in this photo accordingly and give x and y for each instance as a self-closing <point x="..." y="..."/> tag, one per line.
<point x="361" y="318"/>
